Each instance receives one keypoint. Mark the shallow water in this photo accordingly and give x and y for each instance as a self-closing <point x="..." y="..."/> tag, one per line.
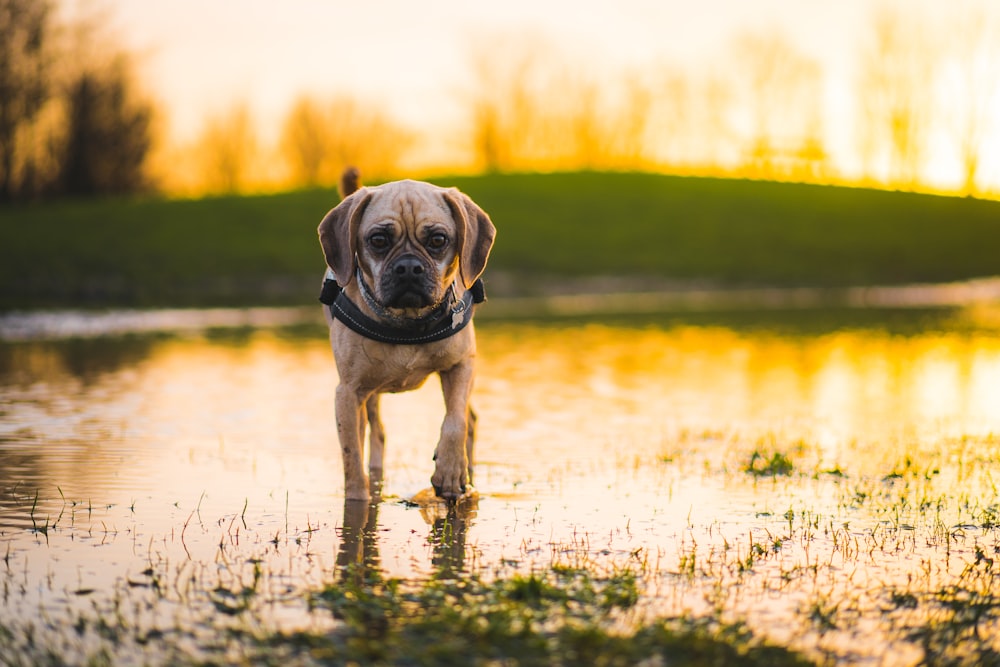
<point x="139" y="467"/>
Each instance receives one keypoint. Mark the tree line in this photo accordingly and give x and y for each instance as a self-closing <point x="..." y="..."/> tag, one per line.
<point x="921" y="92"/>
<point x="72" y="122"/>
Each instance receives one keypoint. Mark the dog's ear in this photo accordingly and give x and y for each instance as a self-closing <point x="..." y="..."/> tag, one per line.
<point x="476" y="233"/>
<point x="337" y="234"/>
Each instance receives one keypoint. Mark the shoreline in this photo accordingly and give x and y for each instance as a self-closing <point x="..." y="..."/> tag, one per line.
<point x="26" y="325"/>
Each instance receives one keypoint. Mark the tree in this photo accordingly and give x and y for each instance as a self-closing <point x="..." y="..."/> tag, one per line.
<point x="507" y="99"/>
<point x="896" y="92"/>
<point x="688" y="124"/>
<point x="70" y="120"/>
<point x="633" y="126"/>
<point x="781" y="93"/>
<point x="305" y="141"/>
<point x="25" y="84"/>
<point x="107" y="135"/>
<point x="365" y="137"/>
<point x="974" y="92"/>
<point x="227" y="148"/>
<point x="587" y="146"/>
<point x="320" y="139"/>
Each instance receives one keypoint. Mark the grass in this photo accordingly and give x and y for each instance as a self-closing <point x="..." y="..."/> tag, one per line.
<point x="577" y="609"/>
<point x="760" y="465"/>
<point x="830" y="568"/>
<point x="551" y="616"/>
<point x="154" y="253"/>
<point x="663" y="229"/>
<point x="733" y="231"/>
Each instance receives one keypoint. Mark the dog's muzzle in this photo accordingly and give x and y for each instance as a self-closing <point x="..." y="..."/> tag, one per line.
<point x="406" y="283"/>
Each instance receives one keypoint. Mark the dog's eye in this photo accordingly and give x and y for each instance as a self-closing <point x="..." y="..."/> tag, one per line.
<point x="437" y="241"/>
<point x="379" y="240"/>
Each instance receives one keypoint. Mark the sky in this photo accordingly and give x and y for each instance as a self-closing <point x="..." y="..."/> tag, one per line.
<point x="199" y="57"/>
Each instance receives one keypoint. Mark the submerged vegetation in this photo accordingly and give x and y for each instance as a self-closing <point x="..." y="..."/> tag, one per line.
<point x="556" y="616"/>
<point x="706" y="494"/>
<point x="560" y="616"/>
<point x="760" y="465"/>
<point x="929" y="549"/>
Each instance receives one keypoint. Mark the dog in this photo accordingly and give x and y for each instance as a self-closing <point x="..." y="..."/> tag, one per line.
<point x="405" y="261"/>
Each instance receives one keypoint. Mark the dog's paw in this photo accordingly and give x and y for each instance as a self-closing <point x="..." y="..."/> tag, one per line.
<point x="449" y="495"/>
<point x="449" y="487"/>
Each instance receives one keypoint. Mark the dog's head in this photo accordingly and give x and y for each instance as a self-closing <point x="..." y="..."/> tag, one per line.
<point x="411" y="241"/>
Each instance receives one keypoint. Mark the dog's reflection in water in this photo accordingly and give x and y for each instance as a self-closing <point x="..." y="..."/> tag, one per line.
<point x="448" y="520"/>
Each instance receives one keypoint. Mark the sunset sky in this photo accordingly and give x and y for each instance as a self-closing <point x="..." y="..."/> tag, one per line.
<point x="199" y="56"/>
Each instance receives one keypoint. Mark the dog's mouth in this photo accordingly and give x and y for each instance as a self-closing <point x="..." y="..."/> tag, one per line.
<point x="406" y="284"/>
<point x="408" y="298"/>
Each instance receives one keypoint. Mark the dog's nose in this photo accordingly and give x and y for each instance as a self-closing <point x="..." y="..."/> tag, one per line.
<point x="408" y="267"/>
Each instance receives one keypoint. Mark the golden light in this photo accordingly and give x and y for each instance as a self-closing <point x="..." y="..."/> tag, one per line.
<point x="788" y="91"/>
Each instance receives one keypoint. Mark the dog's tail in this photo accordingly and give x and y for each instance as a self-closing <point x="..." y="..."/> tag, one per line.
<point x="350" y="181"/>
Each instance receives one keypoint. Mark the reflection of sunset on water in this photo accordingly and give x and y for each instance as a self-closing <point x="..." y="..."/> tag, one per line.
<point x="214" y="414"/>
<point x="597" y="443"/>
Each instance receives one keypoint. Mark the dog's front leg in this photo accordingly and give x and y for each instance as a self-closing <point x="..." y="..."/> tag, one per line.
<point x="376" y="443"/>
<point x="470" y="441"/>
<point x="451" y="472"/>
<point x="350" y="429"/>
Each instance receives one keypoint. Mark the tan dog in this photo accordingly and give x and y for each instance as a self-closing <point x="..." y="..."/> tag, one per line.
<point x="406" y="258"/>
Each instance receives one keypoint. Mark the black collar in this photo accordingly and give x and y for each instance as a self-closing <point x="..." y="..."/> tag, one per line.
<point x="446" y="319"/>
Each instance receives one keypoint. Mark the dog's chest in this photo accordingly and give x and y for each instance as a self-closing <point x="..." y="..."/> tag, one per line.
<point x="403" y="368"/>
<point x="405" y="372"/>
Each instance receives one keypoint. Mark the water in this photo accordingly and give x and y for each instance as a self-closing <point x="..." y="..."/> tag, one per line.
<point x="139" y="471"/>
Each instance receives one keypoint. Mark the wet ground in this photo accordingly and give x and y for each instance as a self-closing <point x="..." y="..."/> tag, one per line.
<point x="828" y="479"/>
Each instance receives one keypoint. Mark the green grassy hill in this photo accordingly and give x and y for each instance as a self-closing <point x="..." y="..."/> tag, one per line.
<point x="263" y="249"/>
